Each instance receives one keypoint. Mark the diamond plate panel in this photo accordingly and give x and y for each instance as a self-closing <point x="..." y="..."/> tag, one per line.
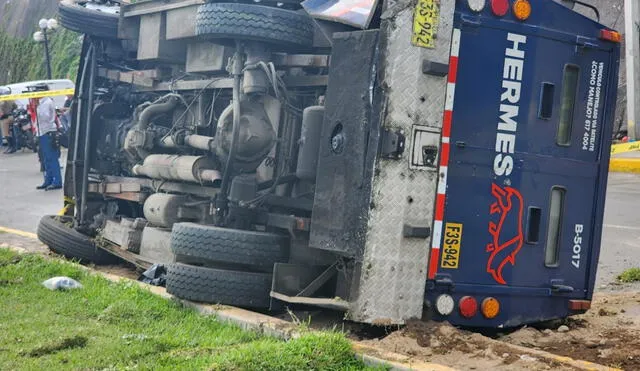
<point x="394" y="269"/>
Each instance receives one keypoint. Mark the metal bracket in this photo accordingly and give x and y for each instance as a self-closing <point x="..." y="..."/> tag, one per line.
<point x="435" y="68"/>
<point x="392" y="144"/>
<point x="585" y="42"/>
<point x="317" y="283"/>
<point x="416" y="232"/>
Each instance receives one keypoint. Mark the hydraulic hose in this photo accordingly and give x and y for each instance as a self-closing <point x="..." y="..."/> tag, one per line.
<point x="76" y="139"/>
<point x="87" y="140"/>
<point x="235" y="131"/>
<point x="154" y="110"/>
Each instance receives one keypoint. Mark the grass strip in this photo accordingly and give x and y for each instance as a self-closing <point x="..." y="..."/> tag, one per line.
<point x="114" y="326"/>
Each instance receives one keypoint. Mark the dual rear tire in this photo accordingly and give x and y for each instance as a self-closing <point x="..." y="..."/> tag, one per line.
<point x="213" y="265"/>
<point x="224" y="266"/>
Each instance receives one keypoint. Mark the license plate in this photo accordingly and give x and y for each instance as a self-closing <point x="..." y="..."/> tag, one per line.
<point x="425" y="23"/>
<point x="451" y="246"/>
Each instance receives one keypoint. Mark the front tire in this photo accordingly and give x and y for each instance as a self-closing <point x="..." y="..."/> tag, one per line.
<point x="55" y="232"/>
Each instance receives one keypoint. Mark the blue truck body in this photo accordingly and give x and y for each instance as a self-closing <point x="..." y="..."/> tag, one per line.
<point x="530" y="136"/>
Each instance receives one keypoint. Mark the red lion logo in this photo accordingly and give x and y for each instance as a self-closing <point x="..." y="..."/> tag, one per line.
<point x="504" y="248"/>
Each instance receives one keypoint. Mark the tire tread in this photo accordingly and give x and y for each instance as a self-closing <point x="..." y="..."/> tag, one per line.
<point x="71" y="243"/>
<point x="230" y="20"/>
<point x="217" y="286"/>
<point x="254" y="250"/>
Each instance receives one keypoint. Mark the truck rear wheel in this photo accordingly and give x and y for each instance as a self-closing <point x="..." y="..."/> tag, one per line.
<point x="202" y="244"/>
<point x="254" y="22"/>
<point x="96" y="22"/>
<point x="218" y="286"/>
<point x="62" y="239"/>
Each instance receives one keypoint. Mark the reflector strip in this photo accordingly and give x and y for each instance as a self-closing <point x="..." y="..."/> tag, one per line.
<point x="445" y="148"/>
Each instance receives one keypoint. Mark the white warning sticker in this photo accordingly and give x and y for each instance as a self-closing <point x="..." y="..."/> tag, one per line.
<point x="590" y="136"/>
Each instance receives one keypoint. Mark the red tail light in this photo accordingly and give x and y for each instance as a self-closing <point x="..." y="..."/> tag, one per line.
<point x="468" y="306"/>
<point x="500" y="7"/>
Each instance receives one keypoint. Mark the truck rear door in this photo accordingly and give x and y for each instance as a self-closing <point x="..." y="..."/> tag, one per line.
<point x="524" y="162"/>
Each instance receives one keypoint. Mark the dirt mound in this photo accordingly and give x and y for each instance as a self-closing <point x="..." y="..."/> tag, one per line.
<point x="444" y="344"/>
<point x="608" y="334"/>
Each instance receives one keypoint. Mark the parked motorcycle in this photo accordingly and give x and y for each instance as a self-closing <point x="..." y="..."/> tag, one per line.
<point x="23" y="131"/>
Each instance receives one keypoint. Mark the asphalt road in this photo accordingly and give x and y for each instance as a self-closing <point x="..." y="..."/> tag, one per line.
<point x="23" y="205"/>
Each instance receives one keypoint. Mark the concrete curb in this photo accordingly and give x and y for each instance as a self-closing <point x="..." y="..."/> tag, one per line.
<point x="371" y="356"/>
<point x="284" y="330"/>
<point x="624" y="165"/>
<point x="281" y="329"/>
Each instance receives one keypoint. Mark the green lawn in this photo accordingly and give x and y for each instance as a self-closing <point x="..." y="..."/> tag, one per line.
<point x="121" y="326"/>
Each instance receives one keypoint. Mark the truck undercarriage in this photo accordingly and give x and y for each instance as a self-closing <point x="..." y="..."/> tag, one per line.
<point x="266" y="157"/>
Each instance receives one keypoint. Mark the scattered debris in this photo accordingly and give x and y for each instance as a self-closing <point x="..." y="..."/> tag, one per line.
<point x="563" y="328"/>
<point x="591" y="344"/>
<point x="156" y="275"/>
<point x="527" y="358"/>
<point x="62" y="283"/>
<point x="606" y="312"/>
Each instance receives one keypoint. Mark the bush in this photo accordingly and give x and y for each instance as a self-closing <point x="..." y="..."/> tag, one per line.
<point x="630" y="275"/>
<point x="24" y="59"/>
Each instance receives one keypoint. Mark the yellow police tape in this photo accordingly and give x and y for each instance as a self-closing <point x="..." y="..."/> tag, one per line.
<point x="37" y="94"/>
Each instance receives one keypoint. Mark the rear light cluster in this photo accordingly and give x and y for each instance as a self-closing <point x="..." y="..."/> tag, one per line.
<point x="468" y="306"/>
<point x="522" y="11"/>
<point x="521" y="8"/>
<point x="612" y="36"/>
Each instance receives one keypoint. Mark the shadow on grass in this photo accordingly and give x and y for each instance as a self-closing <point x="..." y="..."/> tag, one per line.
<point x="66" y="343"/>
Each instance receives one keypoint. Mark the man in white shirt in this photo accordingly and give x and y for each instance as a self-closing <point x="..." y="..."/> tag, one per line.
<point x="47" y="131"/>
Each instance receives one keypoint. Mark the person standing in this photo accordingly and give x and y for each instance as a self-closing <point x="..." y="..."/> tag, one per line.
<point x="6" y="119"/>
<point x="47" y="132"/>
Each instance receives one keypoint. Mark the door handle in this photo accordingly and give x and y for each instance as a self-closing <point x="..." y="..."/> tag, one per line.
<point x="461" y="144"/>
<point x="533" y="225"/>
<point x="562" y="289"/>
<point x="558" y="287"/>
<point x="547" y="95"/>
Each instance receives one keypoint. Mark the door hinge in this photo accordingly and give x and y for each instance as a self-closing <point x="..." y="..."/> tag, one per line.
<point x="392" y="144"/>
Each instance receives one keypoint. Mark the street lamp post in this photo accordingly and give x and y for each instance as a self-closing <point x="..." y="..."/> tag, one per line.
<point x="42" y="36"/>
